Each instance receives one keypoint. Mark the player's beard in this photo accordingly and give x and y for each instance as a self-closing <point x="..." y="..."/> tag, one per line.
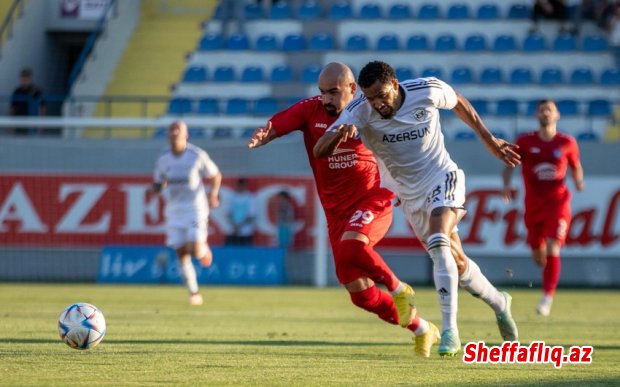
<point x="389" y="112"/>
<point x="331" y="109"/>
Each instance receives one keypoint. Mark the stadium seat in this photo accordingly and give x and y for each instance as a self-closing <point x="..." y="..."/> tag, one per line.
<point x="491" y="76"/>
<point x="500" y="134"/>
<point x="534" y="43"/>
<point x="252" y="74"/>
<point x="428" y="12"/>
<point x="531" y="107"/>
<point x="595" y="43"/>
<point x="238" y="42"/>
<point x="219" y="133"/>
<point x="309" y="10"/>
<point x="248" y="132"/>
<point x="399" y="11"/>
<point x="265" y="106"/>
<point x="161" y="132"/>
<point x="321" y="41"/>
<point x="224" y="74"/>
<point x="551" y="76"/>
<point x="208" y="106"/>
<point x="388" y="43"/>
<point x="465" y="135"/>
<point x="281" y="74"/>
<point x="417" y="42"/>
<point x="519" y="11"/>
<point x="432" y="72"/>
<point x="564" y="42"/>
<point x="211" y="42"/>
<point x="587" y="136"/>
<point x="403" y="73"/>
<point x="340" y="11"/>
<point x="195" y="74"/>
<point x="370" y="11"/>
<point x="487" y="12"/>
<point x="507" y="107"/>
<point x="567" y="107"/>
<point x="504" y="43"/>
<point x="356" y="43"/>
<point x="253" y="11"/>
<point x="311" y="73"/>
<point x="461" y="75"/>
<point x="481" y="106"/>
<point x="180" y="105"/>
<point x="294" y="42"/>
<point x="280" y="10"/>
<point x="599" y="108"/>
<point x="521" y="76"/>
<point x="458" y="11"/>
<point x="267" y="43"/>
<point x="582" y="76"/>
<point x="195" y="132"/>
<point x="610" y="77"/>
<point x="445" y="43"/>
<point x="237" y="106"/>
<point x="475" y="43"/>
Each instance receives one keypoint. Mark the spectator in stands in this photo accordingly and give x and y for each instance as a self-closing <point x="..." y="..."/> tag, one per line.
<point x="545" y="155"/>
<point x="614" y="32"/>
<point x="242" y="215"/>
<point x="549" y="9"/>
<point x="26" y="100"/>
<point x="285" y="219"/>
<point x="180" y="169"/>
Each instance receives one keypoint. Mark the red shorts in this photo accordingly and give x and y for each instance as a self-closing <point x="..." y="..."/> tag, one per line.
<point x="547" y="221"/>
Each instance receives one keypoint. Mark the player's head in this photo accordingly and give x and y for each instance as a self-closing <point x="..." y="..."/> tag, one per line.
<point x="25" y="76"/>
<point x="177" y="135"/>
<point x="380" y="86"/>
<point x="547" y="112"/>
<point x="337" y="87"/>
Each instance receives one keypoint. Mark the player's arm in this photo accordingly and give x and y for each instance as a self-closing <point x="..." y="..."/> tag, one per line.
<point x="508" y="191"/>
<point x="262" y="136"/>
<point x="282" y="123"/>
<point x="330" y="141"/>
<point x="575" y="165"/>
<point x="577" y="173"/>
<point x="213" y="196"/>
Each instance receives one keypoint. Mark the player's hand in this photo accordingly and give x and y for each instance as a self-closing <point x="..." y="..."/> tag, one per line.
<point x="505" y="151"/>
<point x="260" y="136"/>
<point x="508" y="193"/>
<point x="347" y="131"/>
<point x="580" y="185"/>
<point x="214" y="200"/>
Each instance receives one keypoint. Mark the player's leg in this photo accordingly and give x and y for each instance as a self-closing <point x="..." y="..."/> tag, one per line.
<point x="195" y="245"/>
<point x="176" y="238"/>
<point x="555" y="231"/>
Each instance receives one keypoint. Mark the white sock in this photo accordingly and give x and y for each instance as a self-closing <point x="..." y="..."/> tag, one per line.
<point x="398" y="289"/>
<point x="189" y="275"/>
<point x="422" y="328"/>
<point x="479" y="286"/>
<point x="445" y="274"/>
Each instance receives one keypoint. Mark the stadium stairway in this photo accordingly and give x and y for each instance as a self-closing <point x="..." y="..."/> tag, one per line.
<point x="154" y="58"/>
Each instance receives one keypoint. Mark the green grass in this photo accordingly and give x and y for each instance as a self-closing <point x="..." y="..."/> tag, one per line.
<point x="284" y="336"/>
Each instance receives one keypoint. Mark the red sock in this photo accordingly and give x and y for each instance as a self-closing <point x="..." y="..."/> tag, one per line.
<point x="551" y="275"/>
<point x="415" y="323"/>
<point x="378" y="302"/>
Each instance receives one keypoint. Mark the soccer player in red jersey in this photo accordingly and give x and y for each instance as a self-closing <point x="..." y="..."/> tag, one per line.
<point x="545" y="154"/>
<point x="358" y="210"/>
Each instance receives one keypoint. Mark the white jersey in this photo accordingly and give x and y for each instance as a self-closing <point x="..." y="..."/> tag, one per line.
<point x="409" y="147"/>
<point x="183" y="174"/>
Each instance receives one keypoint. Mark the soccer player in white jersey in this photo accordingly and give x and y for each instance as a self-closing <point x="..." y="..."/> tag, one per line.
<point x="399" y="122"/>
<point x="180" y="171"/>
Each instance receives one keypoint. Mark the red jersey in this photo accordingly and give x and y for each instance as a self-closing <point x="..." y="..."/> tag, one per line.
<point x="544" y="163"/>
<point x="345" y="177"/>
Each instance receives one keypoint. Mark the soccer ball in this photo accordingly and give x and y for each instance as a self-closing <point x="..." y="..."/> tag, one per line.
<point x="81" y="326"/>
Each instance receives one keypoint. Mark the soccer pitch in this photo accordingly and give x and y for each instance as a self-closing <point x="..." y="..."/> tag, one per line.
<point x="285" y="336"/>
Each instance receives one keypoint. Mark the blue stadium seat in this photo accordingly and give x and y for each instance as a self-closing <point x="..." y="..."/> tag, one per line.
<point x="356" y="43"/>
<point x="481" y="106"/>
<point x="595" y="43"/>
<point x="504" y="43"/>
<point x="219" y="133"/>
<point x="564" y="42"/>
<point x="265" y="106"/>
<point x="294" y="42"/>
<point x="519" y="11"/>
<point x="534" y="43"/>
<point x="521" y="76"/>
<point x="252" y="74"/>
<point x="507" y="107"/>
<point x="399" y="11"/>
<point x="180" y="106"/>
<point x="475" y="43"/>
<point x="209" y="106"/>
<point x="403" y="73"/>
<point x="491" y="76"/>
<point x="311" y="73"/>
<point x="340" y="11"/>
<point x="195" y="74"/>
<point x="309" y="10"/>
<point x="432" y="72"/>
<point x="500" y="134"/>
<point x="461" y="75"/>
<point x="195" y="132"/>
<point x="465" y="135"/>
<point x="587" y="136"/>
<point x="551" y="76"/>
<point x="599" y="108"/>
<point x="582" y="76"/>
<point x="388" y="42"/>
<point x="445" y="43"/>
<point x="224" y="74"/>
<point x="458" y="11"/>
<point x="370" y="11"/>
<point x="237" y="106"/>
<point x="281" y="74"/>
<point x="211" y="42"/>
<point x="428" y="12"/>
<point x="567" y="107"/>
<point x="532" y="105"/>
<point x="161" y="132"/>
<point x="280" y="10"/>
<point x="248" y="132"/>
<point x="321" y="41"/>
<point x="610" y="77"/>
<point x="238" y="42"/>
<point x="417" y="42"/>
<point x="487" y="12"/>
<point x="267" y="43"/>
<point x="253" y="11"/>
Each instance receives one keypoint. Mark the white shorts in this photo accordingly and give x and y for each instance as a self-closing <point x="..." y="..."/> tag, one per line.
<point x="447" y="190"/>
<point x="184" y="231"/>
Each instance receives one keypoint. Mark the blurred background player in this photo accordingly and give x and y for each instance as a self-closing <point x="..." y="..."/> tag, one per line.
<point x="399" y="122"/>
<point x="545" y="154"/>
<point x="181" y="169"/>
<point x="358" y="210"/>
<point x="242" y="215"/>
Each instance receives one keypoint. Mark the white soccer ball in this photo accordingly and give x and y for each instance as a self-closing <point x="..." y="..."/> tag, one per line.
<point x="81" y="326"/>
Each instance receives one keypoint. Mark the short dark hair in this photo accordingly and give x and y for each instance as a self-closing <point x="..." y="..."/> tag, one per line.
<point x="544" y="101"/>
<point x="25" y="72"/>
<point x="375" y="71"/>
